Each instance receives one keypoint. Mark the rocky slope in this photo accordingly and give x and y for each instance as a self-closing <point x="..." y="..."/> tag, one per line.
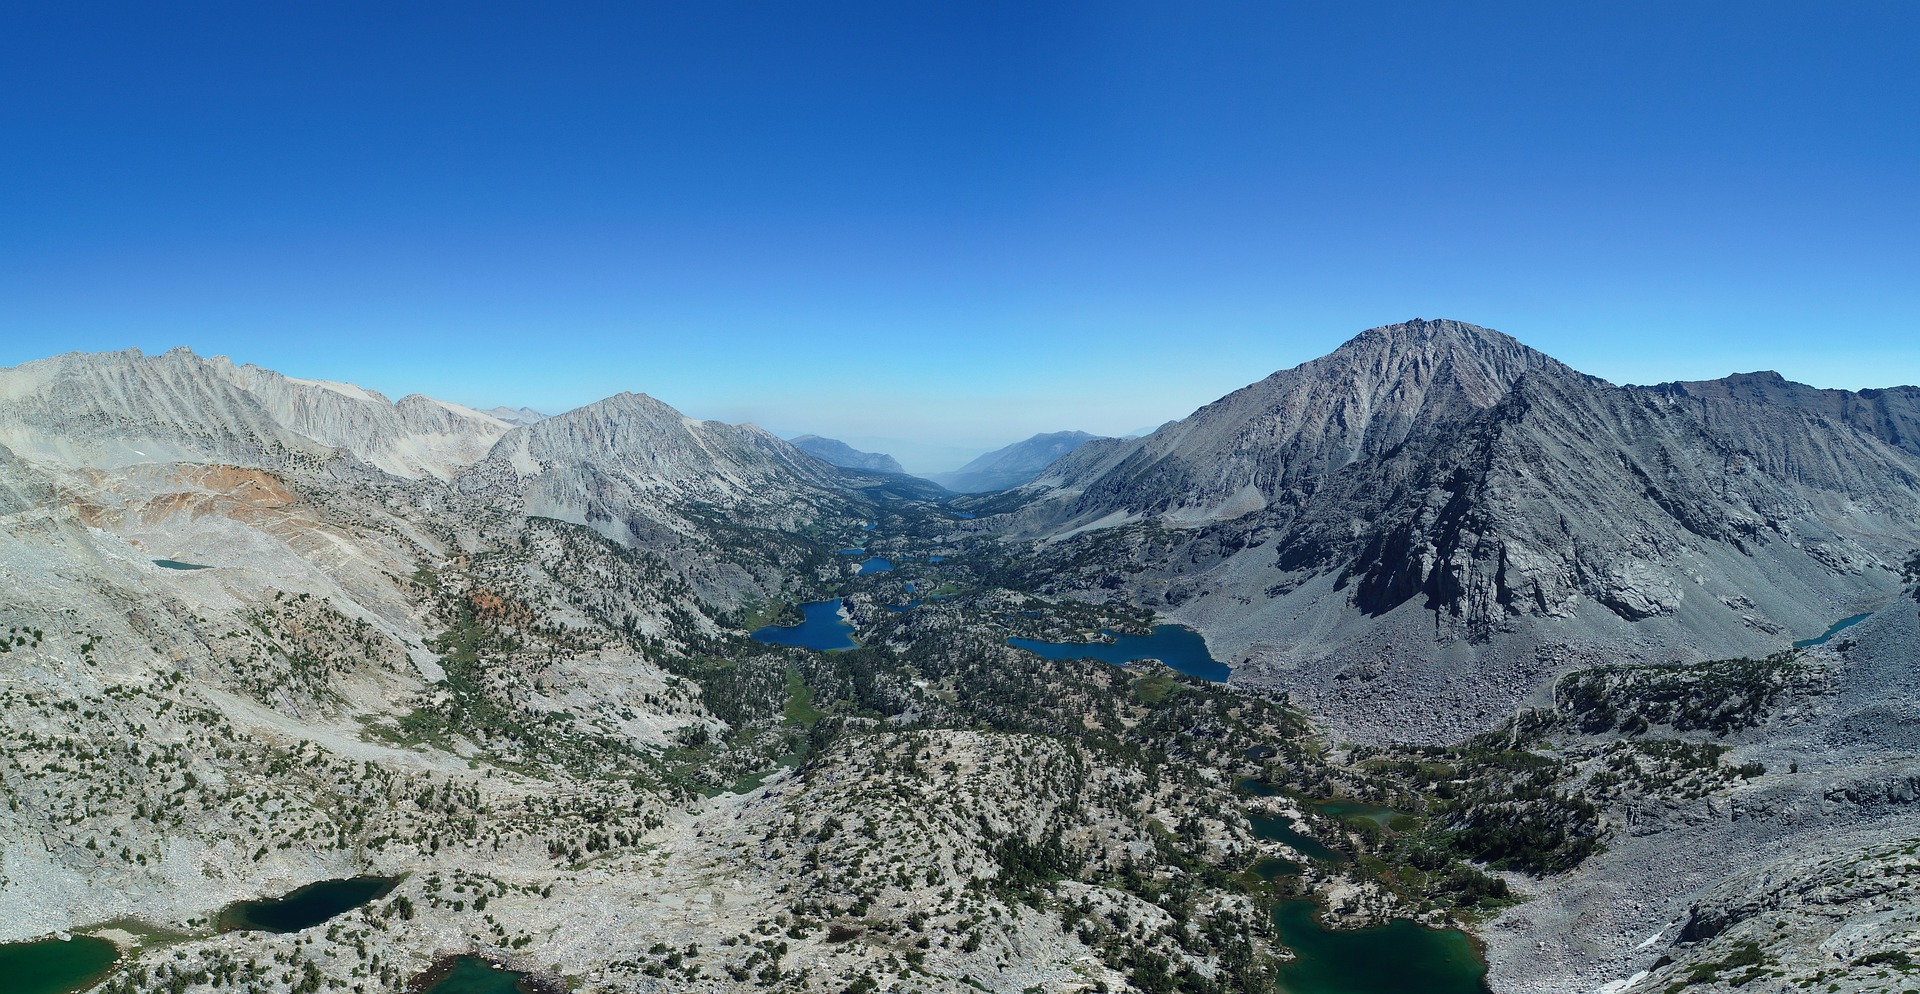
<point x="118" y="409"/>
<point x="510" y="664"/>
<point x="1013" y="465"/>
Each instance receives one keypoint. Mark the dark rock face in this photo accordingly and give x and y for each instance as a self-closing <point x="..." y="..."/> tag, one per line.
<point x="839" y="453"/>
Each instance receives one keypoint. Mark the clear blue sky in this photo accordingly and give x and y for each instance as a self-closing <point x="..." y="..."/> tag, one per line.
<point x="938" y="227"/>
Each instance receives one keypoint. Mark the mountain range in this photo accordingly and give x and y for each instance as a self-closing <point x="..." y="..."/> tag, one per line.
<point x="1641" y="655"/>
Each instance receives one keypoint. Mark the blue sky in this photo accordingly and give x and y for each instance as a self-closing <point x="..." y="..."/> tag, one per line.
<point x="937" y="227"/>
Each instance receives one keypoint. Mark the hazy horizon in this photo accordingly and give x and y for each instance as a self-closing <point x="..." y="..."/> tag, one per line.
<point x="956" y="227"/>
<point x="951" y="437"/>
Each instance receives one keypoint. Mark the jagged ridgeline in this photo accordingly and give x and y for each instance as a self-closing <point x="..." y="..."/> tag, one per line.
<point x="1512" y="649"/>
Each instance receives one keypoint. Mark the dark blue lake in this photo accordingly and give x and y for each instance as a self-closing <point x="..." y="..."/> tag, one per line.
<point x="1181" y="648"/>
<point x="1839" y="626"/>
<point x="855" y="551"/>
<point x="821" y="630"/>
<point x="306" y="907"/>
<point x="875" y="566"/>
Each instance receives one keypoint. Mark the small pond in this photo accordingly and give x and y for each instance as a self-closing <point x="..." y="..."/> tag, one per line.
<point x="1271" y="868"/>
<point x="1352" y="810"/>
<point x="1400" y="957"/>
<point x="875" y="565"/>
<point x="1180" y="648"/>
<point x="176" y="564"/>
<point x="1839" y="626"/>
<point x="1279" y="828"/>
<point x="471" y="975"/>
<point x="306" y="907"/>
<point x="822" y="629"/>
<point x="55" y="966"/>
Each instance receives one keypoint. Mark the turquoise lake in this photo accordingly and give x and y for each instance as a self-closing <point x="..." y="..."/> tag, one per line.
<point x="1180" y="648"/>
<point x="1279" y="828"/>
<point x="822" y="629"/>
<point x="473" y="975"/>
<point x="1839" y="626"/>
<point x="1400" y="957"/>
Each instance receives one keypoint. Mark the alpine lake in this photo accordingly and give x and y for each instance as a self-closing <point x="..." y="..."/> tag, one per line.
<point x="1400" y="957"/>
<point x="56" y="966"/>
<point x="1182" y="649"/>
<point x="305" y="907"/>
<point x="821" y="629"/>
<point x="472" y="975"/>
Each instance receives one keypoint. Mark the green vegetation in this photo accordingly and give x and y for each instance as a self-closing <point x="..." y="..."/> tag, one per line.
<point x="1745" y="957"/>
<point x="799" y="709"/>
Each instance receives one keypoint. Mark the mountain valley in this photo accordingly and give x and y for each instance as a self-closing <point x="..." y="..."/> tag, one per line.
<point x="1511" y="651"/>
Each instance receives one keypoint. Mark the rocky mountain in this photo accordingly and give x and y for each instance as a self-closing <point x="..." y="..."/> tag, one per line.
<point x="1014" y="464"/>
<point x="257" y="632"/>
<point x="1437" y="491"/>
<point x="119" y="409"/>
<point x="629" y="464"/>
<point x="841" y="454"/>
